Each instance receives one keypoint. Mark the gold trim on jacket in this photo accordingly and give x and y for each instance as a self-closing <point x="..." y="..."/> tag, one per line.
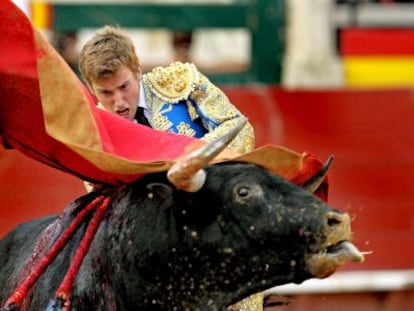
<point x="182" y="84"/>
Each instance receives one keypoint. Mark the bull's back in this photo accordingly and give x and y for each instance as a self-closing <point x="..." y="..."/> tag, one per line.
<point x="15" y="249"/>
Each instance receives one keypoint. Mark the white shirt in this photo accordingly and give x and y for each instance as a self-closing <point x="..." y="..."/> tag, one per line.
<point x="142" y="102"/>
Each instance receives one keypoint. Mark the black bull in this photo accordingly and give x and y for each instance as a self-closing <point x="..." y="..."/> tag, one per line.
<point x="161" y="248"/>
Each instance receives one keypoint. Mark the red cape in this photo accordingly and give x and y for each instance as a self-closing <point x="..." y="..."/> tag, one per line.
<point x="49" y="115"/>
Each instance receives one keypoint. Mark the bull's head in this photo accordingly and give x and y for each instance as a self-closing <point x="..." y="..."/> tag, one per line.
<point x="241" y="230"/>
<point x="188" y="175"/>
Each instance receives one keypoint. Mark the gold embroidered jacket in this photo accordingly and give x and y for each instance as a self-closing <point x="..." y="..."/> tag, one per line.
<point x="182" y="100"/>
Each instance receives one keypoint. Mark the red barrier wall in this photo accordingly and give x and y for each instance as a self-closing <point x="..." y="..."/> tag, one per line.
<point x="370" y="133"/>
<point x="29" y="189"/>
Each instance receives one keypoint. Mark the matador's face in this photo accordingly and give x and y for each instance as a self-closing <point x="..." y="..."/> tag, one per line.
<point x="119" y="93"/>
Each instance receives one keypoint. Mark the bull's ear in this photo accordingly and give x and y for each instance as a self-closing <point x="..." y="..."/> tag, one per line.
<point x="316" y="181"/>
<point x="160" y="190"/>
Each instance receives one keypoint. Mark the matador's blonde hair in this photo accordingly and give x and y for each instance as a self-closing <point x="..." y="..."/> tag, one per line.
<point x="102" y="55"/>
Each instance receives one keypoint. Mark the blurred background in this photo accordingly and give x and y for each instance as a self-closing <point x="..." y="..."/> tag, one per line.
<point x="320" y="76"/>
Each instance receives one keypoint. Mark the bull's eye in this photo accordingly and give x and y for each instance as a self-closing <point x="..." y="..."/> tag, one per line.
<point x="243" y="192"/>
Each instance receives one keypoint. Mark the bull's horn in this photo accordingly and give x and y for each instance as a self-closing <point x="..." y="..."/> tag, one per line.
<point x="313" y="184"/>
<point x="187" y="173"/>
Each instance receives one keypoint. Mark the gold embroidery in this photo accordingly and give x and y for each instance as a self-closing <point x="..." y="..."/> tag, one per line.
<point x="217" y="113"/>
<point x="174" y="82"/>
<point x="217" y="109"/>
<point x="162" y="122"/>
<point x="244" y="142"/>
<point x="191" y="111"/>
<point x="185" y="129"/>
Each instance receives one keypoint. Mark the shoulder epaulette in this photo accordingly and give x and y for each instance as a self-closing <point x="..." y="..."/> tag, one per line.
<point x="174" y="82"/>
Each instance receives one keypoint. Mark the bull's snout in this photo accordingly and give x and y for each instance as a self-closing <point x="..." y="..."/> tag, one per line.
<point x="337" y="227"/>
<point x="337" y="248"/>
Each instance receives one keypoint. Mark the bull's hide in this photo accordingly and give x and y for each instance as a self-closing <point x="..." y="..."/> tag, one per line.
<point x="160" y="248"/>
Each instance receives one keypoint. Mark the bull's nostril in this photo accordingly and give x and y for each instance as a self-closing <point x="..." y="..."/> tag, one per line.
<point x="334" y="218"/>
<point x="333" y="222"/>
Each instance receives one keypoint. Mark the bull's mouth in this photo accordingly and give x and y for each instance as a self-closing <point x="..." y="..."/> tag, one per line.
<point x="325" y="263"/>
